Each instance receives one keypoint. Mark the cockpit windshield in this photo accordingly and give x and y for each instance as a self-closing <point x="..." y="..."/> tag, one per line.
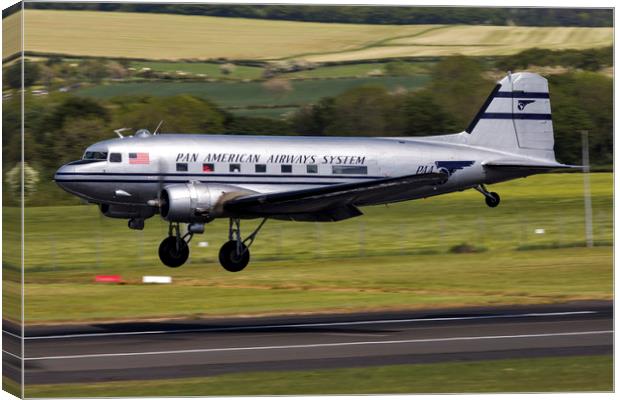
<point x="95" y="155"/>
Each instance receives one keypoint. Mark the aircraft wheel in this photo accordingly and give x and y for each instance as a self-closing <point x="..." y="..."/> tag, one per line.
<point x="492" y="200"/>
<point x="171" y="254"/>
<point x="229" y="258"/>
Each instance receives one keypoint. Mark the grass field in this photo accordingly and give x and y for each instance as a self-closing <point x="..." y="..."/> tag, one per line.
<point x="174" y="37"/>
<point x="393" y="257"/>
<point x="210" y="70"/>
<point x="561" y="374"/>
<point x="246" y="94"/>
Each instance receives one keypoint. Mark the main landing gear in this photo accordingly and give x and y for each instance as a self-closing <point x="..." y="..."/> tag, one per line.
<point x="491" y="198"/>
<point x="173" y="250"/>
<point x="235" y="254"/>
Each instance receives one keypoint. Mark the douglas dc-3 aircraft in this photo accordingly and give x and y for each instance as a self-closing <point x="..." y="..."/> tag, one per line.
<point x="193" y="179"/>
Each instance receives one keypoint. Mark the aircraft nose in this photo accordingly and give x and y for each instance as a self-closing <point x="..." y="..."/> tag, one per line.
<point x="61" y="175"/>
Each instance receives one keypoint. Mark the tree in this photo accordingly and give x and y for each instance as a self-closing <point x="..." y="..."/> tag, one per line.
<point x="458" y="85"/>
<point x="13" y="74"/>
<point x="423" y="116"/>
<point x="77" y="133"/>
<point x="182" y="113"/>
<point x="227" y="69"/>
<point x="31" y="179"/>
<point x="278" y="86"/>
<point x="94" y="70"/>
<point x="75" y="107"/>
<point x="363" y="111"/>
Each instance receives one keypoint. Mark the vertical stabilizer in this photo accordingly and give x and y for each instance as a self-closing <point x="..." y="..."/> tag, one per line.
<point x="516" y="117"/>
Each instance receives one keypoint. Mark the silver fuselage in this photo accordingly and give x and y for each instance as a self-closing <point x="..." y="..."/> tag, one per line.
<point x="123" y="183"/>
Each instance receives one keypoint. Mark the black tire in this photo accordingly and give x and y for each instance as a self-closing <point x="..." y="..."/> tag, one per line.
<point x="493" y="200"/>
<point x="229" y="259"/>
<point x="171" y="255"/>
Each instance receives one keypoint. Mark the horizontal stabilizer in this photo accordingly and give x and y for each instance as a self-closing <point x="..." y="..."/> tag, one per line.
<point x="524" y="164"/>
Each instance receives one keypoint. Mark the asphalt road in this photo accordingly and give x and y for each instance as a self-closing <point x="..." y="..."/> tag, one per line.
<point x="173" y="349"/>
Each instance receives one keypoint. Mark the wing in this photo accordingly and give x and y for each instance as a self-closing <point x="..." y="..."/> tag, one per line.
<point x="332" y="203"/>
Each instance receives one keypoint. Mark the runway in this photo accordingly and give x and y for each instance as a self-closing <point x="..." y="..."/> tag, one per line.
<point x="190" y="348"/>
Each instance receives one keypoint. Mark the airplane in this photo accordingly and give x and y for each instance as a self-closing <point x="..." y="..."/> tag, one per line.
<point x="193" y="179"/>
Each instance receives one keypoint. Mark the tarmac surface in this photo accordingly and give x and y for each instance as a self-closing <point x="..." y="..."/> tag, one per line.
<point x="190" y="348"/>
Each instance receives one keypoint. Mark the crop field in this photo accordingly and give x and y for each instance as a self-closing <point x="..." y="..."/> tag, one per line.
<point x="11" y="35"/>
<point x="550" y="374"/>
<point x="393" y="257"/>
<point x="175" y="37"/>
<point x="248" y="94"/>
<point x="164" y="36"/>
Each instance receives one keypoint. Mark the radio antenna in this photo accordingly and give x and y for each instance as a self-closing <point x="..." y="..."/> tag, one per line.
<point x="158" y="126"/>
<point x="118" y="132"/>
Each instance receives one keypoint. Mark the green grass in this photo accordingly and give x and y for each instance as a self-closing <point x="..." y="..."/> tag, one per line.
<point x="247" y="94"/>
<point x="340" y="71"/>
<point x="393" y="257"/>
<point x="12" y="387"/>
<point x="240" y="72"/>
<point x="275" y="113"/>
<point x="553" y="374"/>
<point x="177" y="37"/>
<point x="210" y="70"/>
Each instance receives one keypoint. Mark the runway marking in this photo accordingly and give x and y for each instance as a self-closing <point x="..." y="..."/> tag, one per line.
<point x="353" y="334"/>
<point x="307" y="325"/>
<point x="315" y="345"/>
<point x="11" y="354"/>
<point x="11" y="334"/>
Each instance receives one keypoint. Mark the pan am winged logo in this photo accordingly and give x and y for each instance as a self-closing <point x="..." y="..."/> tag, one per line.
<point x="449" y="167"/>
<point x="522" y="103"/>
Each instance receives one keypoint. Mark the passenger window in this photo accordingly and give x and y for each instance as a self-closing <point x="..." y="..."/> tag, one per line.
<point x="208" y="168"/>
<point x="260" y="168"/>
<point x="350" y="169"/>
<point x="182" y="167"/>
<point x="286" y="169"/>
<point x="312" y="169"/>
<point x="235" y="168"/>
<point x="116" y="157"/>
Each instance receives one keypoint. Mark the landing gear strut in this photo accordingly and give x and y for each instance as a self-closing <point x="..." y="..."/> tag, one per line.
<point x="235" y="254"/>
<point x="491" y="198"/>
<point x="173" y="250"/>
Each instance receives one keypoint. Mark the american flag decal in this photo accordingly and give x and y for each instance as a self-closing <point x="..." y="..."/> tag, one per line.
<point x="139" y="158"/>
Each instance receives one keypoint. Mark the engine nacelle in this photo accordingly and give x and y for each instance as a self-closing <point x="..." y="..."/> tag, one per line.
<point x="126" y="212"/>
<point x="195" y="202"/>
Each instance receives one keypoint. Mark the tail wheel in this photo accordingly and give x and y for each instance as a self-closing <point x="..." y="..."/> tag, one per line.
<point x="492" y="199"/>
<point x="173" y="252"/>
<point x="230" y="258"/>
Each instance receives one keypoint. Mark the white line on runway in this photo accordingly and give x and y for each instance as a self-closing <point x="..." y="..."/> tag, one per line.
<point x="11" y="334"/>
<point x="11" y="354"/>
<point x="307" y="325"/>
<point x="315" y="345"/>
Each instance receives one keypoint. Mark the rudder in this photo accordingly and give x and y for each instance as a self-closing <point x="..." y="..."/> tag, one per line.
<point x="516" y="117"/>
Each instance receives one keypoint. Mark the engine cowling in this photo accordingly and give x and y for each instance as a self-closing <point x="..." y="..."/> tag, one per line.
<point x="126" y="212"/>
<point x="195" y="202"/>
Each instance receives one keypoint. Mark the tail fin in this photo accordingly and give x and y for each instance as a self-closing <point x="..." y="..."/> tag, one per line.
<point x="516" y="117"/>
